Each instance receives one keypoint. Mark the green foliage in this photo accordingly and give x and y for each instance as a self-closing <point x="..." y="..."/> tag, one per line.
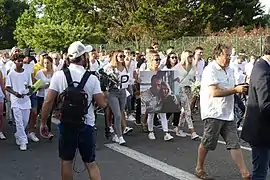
<point x="135" y="21"/>
<point x="10" y="10"/>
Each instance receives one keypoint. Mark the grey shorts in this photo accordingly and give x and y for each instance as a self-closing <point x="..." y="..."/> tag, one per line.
<point x="215" y="127"/>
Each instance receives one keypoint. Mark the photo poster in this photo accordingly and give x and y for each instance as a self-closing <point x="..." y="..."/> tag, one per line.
<point x="162" y="94"/>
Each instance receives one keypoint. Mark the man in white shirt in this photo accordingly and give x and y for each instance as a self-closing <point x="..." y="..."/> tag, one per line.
<point x="94" y="63"/>
<point x="198" y="55"/>
<point x="217" y="111"/>
<point x="17" y="83"/>
<point x="83" y="139"/>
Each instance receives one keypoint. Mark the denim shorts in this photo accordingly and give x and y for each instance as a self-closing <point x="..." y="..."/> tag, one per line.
<point x="71" y="139"/>
<point x="33" y="99"/>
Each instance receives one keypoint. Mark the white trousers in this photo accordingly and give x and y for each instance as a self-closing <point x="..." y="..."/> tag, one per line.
<point x="21" y="117"/>
<point x="163" y="119"/>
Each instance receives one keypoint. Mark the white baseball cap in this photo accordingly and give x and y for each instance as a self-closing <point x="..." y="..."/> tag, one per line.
<point x="76" y="49"/>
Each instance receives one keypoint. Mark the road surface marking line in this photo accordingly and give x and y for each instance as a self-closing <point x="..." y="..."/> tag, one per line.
<point x="154" y="163"/>
<point x="220" y="142"/>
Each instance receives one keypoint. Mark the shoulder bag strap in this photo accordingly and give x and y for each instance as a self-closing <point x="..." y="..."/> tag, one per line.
<point x="84" y="79"/>
<point x="68" y="77"/>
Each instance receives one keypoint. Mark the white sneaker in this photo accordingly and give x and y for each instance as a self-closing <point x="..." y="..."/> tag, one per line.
<point x="17" y="140"/>
<point x="151" y="136"/>
<point x="2" y="136"/>
<point x="115" y="139"/>
<point x="127" y="130"/>
<point x="131" y="118"/>
<point x="23" y="147"/>
<point x="33" y="137"/>
<point x="121" y="140"/>
<point x="168" y="137"/>
<point x="240" y="128"/>
<point x="175" y="129"/>
<point x="194" y="136"/>
<point x="181" y="133"/>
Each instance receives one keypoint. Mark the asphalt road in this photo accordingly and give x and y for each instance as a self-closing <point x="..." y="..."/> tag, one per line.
<point x="139" y="159"/>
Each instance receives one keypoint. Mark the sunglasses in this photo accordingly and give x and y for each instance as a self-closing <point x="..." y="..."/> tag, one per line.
<point x="122" y="56"/>
<point x="174" y="57"/>
<point x="157" y="60"/>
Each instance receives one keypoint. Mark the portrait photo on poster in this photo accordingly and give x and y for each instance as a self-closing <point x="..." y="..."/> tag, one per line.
<point x="160" y="91"/>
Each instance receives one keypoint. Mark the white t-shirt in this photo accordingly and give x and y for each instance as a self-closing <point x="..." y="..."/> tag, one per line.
<point x="17" y="82"/>
<point x="40" y="75"/>
<point x="5" y="67"/>
<point x="217" y="107"/>
<point x="131" y="70"/>
<point x="59" y="66"/>
<point x="95" y="66"/>
<point x="123" y="76"/>
<point x="92" y="87"/>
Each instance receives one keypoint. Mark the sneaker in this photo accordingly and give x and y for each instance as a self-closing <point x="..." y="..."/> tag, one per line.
<point x="181" y="133"/>
<point x="127" y="130"/>
<point x="194" y="136"/>
<point x="50" y="136"/>
<point x="23" y="147"/>
<point x="17" y="140"/>
<point x="33" y="137"/>
<point x="239" y="128"/>
<point x="168" y="137"/>
<point x="111" y="129"/>
<point x="121" y="140"/>
<point x="131" y="118"/>
<point x="151" y="136"/>
<point x="115" y="139"/>
<point x="2" y="136"/>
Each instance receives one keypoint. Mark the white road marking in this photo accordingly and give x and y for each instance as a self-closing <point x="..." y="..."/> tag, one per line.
<point x="220" y="142"/>
<point x="154" y="163"/>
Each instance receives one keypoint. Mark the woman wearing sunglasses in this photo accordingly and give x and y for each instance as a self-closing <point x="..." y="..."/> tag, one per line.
<point x="117" y="92"/>
<point x="153" y="92"/>
<point x="186" y="71"/>
<point x="172" y="61"/>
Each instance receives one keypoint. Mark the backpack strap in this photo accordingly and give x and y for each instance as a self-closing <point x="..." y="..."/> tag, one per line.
<point x="68" y="77"/>
<point x="84" y="79"/>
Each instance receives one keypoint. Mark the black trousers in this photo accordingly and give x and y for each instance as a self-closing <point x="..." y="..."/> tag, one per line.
<point x="176" y="117"/>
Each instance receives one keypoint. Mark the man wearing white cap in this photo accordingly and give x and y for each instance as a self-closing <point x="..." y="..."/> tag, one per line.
<point x="72" y="138"/>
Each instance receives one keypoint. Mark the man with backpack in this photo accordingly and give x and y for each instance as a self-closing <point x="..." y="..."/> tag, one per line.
<point x="77" y="89"/>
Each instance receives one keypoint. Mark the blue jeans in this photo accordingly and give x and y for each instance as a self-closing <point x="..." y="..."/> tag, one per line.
<point x="260" y="162"/>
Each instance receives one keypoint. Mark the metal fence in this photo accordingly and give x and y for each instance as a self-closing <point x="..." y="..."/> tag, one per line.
<point x="252" y="45"/>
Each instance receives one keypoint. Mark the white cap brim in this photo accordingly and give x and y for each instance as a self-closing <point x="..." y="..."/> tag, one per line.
<point x="88" y="48"/>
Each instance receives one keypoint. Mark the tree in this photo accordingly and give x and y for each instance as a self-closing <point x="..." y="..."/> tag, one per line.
<point x="59" y="24"/>
<point x="234" y="13"/>
<point x="10" y="10"/>
<point x="54" y="24"/>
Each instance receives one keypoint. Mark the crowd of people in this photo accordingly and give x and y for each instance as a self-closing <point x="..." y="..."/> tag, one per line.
<point x="224" y="79"/>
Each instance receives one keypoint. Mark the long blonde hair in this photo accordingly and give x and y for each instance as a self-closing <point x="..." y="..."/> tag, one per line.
<point x="184" y="57"/>
<point x="114" y="62"/>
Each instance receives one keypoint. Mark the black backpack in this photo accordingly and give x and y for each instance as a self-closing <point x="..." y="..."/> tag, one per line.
<point x="74" y="100"/>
